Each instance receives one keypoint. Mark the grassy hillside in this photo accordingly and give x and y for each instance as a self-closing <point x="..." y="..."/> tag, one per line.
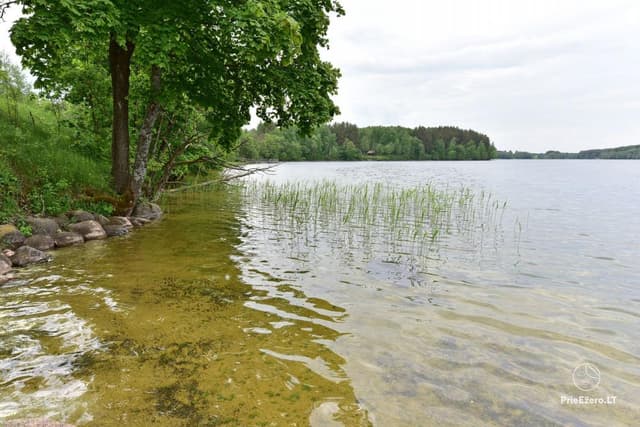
<point x="44" y="163"/>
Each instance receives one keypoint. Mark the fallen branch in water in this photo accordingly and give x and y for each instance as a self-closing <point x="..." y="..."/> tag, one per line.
<point x="225" y="179"/>
<point x="245" y="172"/>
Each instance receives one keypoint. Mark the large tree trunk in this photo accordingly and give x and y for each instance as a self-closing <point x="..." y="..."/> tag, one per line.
<point x="144" y="138"/>
<point x="120" y="62"/>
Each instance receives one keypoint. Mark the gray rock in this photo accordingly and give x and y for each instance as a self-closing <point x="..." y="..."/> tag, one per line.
<point x="68" y="238"/>
<point x="12" y="240"/>
<point x="90" y="230"/>
<point x="80" y="216"/>
<point x="120" y="220"/>
<point x="8" y="253"/>
<point x="139" y="222"/>
<point x="115" y="230"/>
<point x="5" y="265"/>
<point x="43" y="225"/>
<point x="6" y="229"/>
<point x="10" y="236"/>
<point x="41" y="242"/>
<point x="62" y="220"/>
<point x="147" y="210"/>
<point x="102" y="220"/>
<point x="26" y="255"/>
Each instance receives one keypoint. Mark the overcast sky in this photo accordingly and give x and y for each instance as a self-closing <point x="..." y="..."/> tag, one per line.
<point x="5" y="43"/>
<point x="533" y="75"/>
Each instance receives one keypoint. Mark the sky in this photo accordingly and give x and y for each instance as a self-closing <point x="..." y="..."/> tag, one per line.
<point x="533" y="75"/>
<point x="5" y="44"/>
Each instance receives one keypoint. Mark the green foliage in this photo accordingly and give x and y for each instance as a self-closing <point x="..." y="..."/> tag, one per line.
<point x="49" y="197"/>
<point x="350" y="151"/>
<point x="9" y="192"/>
<point x="346" y="131"/>
<point x="516" y="155"/>
<point x="99" y="207"/>
<point x="222" y="57"/>
<point x="24" y="227"/>
<point x="42" y="166"/>
<point x="45" y="134"/>
<point x="624" y="153"/>
<point x="345" y="141"/>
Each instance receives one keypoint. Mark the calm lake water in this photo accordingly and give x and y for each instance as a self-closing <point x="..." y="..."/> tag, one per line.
<point x="232" y="311"/>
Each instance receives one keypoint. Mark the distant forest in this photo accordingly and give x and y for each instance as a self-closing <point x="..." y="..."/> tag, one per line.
<point x="345" y="141"/>
<point x="627" y="152"/>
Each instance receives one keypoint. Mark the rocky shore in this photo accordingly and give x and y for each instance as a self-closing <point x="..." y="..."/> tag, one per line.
<point x="72" y="228"/>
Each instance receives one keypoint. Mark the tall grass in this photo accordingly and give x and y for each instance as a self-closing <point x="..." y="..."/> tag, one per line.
<point x="37" y="144"/>
<point x="42" y="165"/>
<point x="403" y="220"/>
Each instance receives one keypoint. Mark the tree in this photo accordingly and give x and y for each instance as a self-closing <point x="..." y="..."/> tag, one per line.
<point x="440" y="150"/>
<point x="388" y="142"/>
<point x="13" y="86"/>
<point x="451" y="149"/>
<point x="248" y="149"/>
<point x="482" y="152"/>
<point x="346" y="131"/>
<point x="350" y="151"/>
<point x="223" y="56"/>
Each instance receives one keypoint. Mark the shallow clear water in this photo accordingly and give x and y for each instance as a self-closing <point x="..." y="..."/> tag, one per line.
<point x="227" y="312"/>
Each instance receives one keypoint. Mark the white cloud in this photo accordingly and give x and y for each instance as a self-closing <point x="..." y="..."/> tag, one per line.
<point x="532" y="75"/>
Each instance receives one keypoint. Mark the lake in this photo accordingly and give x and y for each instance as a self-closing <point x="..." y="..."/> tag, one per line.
<point x="368" y="293"/>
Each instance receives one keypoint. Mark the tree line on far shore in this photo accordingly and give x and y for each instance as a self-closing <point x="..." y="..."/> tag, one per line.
<point x="346" y="141"/>
<point x="626" y="152"/>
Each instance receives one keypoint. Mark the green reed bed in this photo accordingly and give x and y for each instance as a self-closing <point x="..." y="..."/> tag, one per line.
<point x="413" y="218"/>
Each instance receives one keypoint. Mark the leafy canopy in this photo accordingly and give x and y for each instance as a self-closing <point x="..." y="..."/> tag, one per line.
<point x="226" y="56"/>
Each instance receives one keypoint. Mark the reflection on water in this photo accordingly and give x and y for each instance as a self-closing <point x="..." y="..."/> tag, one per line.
<point x="487" y="328"/>
<point x="42" y="340"/>
<point x="225" y="313"/>
<point x="158" y="329"/>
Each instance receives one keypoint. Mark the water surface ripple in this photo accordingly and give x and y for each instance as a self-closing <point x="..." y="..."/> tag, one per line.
<point x="230" y="311"/>
<point x="488" y="326"/>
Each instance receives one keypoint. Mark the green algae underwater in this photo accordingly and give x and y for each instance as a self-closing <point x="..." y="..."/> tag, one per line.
<point x="154" y="329"/>
<point x="338" y="294"/>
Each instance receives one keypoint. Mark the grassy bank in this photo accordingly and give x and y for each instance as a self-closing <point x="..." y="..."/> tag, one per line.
<point x="45" y="164"/>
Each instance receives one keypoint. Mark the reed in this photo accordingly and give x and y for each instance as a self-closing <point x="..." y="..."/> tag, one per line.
<point x="404" y="220"/>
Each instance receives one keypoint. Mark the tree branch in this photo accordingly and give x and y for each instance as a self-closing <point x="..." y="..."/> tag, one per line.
<point x="4" y="6"/>
<point x="246" y="172"/>
<point x="224" y="179"/>
<point x="201" y="159"/>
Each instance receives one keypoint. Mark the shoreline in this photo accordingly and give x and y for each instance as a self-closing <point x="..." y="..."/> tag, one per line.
<point x="22" y="245"/>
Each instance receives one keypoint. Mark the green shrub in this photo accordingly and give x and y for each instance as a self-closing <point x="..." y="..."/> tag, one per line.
<point x="99" y="207"/>
<point x="49" y="197"/>
<point x="24" y="227"/>
<point x="9" y="192"/>
<point x="37" y="134"/>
